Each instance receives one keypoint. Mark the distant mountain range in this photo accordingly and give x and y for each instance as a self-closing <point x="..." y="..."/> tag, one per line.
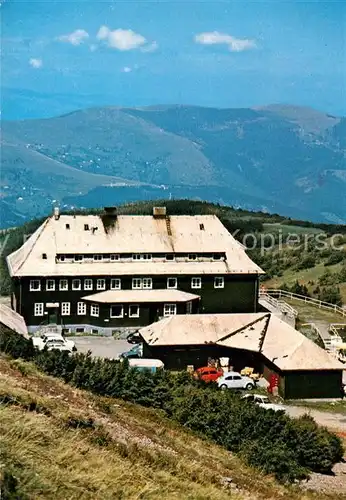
<point x="283" y="159"/>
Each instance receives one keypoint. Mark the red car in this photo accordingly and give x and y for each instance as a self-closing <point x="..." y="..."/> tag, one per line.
<point x="208" y="373"/>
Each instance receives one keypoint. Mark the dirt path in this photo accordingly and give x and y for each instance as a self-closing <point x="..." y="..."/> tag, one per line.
<point x="334" y="421"/>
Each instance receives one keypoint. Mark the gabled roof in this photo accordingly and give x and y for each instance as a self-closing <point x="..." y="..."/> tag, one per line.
<point x="140" y="296"/>
<point x="12" y="320"/>
<point x="130" y="234"/>
<point x="264" y="333"/>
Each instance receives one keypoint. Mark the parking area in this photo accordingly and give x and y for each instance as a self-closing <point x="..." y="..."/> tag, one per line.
<point x="102" y="347"/>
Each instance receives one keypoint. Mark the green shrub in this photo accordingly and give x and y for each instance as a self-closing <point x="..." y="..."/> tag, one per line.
<point x="269" y="440"/>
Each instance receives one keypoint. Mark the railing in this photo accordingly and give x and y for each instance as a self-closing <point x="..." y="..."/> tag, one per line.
<point x="335" y="327"/>
<point x="280" y="304"/>
<point x="329" y="342"/>
<point x="48" y="329"/>
<point x="276" y="293"/>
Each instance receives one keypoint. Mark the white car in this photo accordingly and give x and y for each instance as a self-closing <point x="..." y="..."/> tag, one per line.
<point x="263" y="402"/>
<point x="233" y="380"/>
<point x="55" y="341"/>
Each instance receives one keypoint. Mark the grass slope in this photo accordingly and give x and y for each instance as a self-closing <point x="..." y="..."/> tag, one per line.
<point x="59" y="442"/>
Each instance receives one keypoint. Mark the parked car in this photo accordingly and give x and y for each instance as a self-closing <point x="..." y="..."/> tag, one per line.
<point x="233" y="380"/>
<point x="48" y="340"/>
<point x="135" y="352"/>
<point x="146" y="364"/>
<point x="134" y="338"/>
<point x="208" y="373"/>
<point x="263" y="402"/>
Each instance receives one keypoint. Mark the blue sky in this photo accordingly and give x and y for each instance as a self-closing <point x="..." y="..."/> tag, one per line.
<point x="59" y="56"/>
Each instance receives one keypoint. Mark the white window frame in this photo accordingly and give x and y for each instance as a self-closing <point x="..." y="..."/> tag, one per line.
<point x="175" y="285"/>
<point x="88" y="284"/>
<point x="192" y="256"/>
<point x="65" y="308"/>
<point x="169" y="310"/>
<point x="221" y="284"/>
<point x="115" y="284"/>
<point x="147" y="283"/>
<point x="63" y="288"/>
<point x="34" y="289"/>
<point x="95" y="310"/>
<point x="38" y="309"/>
<point x="101" y="284"/>
<point x="137" y="283"/>
<point x="142" y="256"/>
<point x="118" y="316"/>
<point x="76" y="281"/>
<point x="50" y="288"/>
<point x="114" y="257"/>
<point x="134" y="315"/>
<point x="81" y="308"/>
<point x="196" y="282"/>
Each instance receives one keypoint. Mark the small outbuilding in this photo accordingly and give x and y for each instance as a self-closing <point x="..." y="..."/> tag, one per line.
<point x="259" y="340"/>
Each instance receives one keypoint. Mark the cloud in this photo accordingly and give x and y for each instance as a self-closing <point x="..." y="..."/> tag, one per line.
<point x="124" y="39"/>
<point x="150" y="47"/>
<point x="217" y="38"/>
<point x="35" y="63"/>
<point x="75" y="38"/>
<point x="126" y="69"/>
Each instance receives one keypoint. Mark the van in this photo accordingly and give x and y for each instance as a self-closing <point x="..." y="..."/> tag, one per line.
<point x="146" y="364"/>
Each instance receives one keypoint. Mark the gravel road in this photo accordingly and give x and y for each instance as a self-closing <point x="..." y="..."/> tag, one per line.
<point x="335" y="421"/>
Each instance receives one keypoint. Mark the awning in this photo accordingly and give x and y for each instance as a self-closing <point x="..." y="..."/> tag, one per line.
<point x="141" y="296"/>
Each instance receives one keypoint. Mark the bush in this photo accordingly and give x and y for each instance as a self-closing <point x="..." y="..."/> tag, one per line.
<point x="268" y="440"/>
<point x="331" y="294"/>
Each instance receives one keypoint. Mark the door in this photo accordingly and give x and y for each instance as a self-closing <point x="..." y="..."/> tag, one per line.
<point x="52" y="316"/>
<point x="153" y="313"/>
<point x="237" y="382"/>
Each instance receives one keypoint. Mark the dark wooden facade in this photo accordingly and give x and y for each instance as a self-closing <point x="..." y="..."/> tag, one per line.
<point x="239" y="295"/>
<point x="293" y="384"/>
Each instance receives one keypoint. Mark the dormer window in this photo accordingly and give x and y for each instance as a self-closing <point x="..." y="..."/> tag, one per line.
<point x="201" y="227"/>
<point x="67" y="226"/>
<point x="141" y="256"/>
<point x="44" y="256"/>
<point x="86" y="227"/>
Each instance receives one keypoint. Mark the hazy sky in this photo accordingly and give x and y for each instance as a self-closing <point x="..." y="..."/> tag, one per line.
<point x="61" y="55"/>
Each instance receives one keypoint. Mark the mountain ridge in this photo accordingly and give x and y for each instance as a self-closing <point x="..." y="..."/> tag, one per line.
<point x="281" y="154"/>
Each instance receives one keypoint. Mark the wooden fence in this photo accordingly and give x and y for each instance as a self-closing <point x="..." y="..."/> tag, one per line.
<point x="276" y="293"/>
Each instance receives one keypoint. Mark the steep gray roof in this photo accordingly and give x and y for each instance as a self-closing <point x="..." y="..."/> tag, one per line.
<point x="130" y="234"/>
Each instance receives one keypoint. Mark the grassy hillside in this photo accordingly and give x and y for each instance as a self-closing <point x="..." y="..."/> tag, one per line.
<point x="60" y="442"/>
<point x="280" y="158"/>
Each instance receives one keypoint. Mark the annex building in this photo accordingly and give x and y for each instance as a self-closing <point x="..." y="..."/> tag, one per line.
<point x="259" y="340"/>
<point x="103" y="273"/>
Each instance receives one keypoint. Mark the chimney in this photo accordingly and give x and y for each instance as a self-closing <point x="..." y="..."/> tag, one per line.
<point x="110" y="211"/>
<point x="56" y="213"/>
<point x="159" y="212"/>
